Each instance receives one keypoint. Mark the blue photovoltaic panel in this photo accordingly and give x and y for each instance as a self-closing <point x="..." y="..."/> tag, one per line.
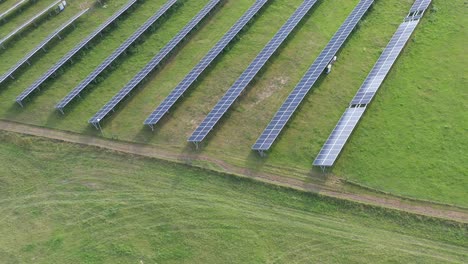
<point x="385" y="63"/>
<point x="170" y="100"/>
<point x="28" y="23"/>
<point x="72" y="52"/>
<point x="418" y="9"/>
<point x="11" y="9"/>
<point x="269" y="135"/>
<point x="247" y="76"/>
<point x="106" y="109"/>
<point x="335" y="143"/>
<point x="41" y="45"/>
<point x="108" y="61"/>
<point x="420" y="5"/>
<point x="338" y="138"/>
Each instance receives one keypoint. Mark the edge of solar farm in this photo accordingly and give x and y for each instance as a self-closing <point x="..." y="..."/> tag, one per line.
<point x="115" y="54"/>
<point x="47" y="40"/>
<point x="249" y="73"/>
<point x="326" y="58"/>
<point x="67" y="57"/>
<point x="353" y="114"/>
<point x="204" y="63"/>
<point x="154" y="62"/>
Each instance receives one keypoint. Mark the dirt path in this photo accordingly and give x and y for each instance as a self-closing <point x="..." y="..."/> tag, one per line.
<point x="420" y="207"/>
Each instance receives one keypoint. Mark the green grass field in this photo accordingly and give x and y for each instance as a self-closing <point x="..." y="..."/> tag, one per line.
<point x="411" y="142"/>
<point x="63" y="203"/>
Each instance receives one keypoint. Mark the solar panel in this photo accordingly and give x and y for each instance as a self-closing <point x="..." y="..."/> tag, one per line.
<point x="41" y="45"/>
<point x="163" y="53"/>
<point x="335" y="143"/>
<point x="384" y="64"/>
<point x="418" y="9"/>
<point x="274" y="128"/>
<point x="11" y="9"/>
<point x="420" y="5"/>
<point x="111" y="58"/>
<point x="170" y="100"/>
<point x="27" y="23"/>
<point x="71" y="53"/>
<point x="247" y="76"/>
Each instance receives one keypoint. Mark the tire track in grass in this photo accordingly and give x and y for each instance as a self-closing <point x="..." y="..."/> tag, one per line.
<point x="421" y="208"/>
<point x="314" y="224"/>
<point x="144" y="201"/>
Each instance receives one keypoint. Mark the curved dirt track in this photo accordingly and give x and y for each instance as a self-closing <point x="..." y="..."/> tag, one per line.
<point x="333" y="190"/>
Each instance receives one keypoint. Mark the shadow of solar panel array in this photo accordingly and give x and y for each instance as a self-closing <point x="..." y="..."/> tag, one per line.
<point x="10" y="10"/>
<point x="41" y="45"/>
<point x="274" y="128"/>
<point x="163" y="53"/>
<point x="28" y="23"/>
<point x="247" y="76"/>
<point x="111" y="58"/>
<point x="343" y="130"/>
<point x="71" y="53"/>
<point x="170" y="100"/>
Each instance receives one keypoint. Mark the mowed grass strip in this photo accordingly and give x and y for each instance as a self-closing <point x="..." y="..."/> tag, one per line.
<point x="63" y="203"/>
<point x="302" y="139"/>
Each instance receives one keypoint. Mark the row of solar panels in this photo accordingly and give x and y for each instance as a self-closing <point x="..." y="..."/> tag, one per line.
<point x="265" y="141"/>
<point x="41" y="45"/>
<point x="170" y="100"/>
<point x="148" y="68"/>
<point x="29" y="22"/>
<point x="121" y="49"/>
<point x="111" y="58"/>
<point x="418" y="9"/>
<point x="67" y="57"/>
<point x="232" y="94"/>
<point x="348" y="122"/>
<point x="215" y="115"/>
<point x="163" y="53"/>
<point x="274" y="128"/>
<point x="237" y="87"/>
<point x="247" y="76"/>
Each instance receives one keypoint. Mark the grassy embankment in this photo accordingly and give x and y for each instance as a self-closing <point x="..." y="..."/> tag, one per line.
<point x="64" y="203"/>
